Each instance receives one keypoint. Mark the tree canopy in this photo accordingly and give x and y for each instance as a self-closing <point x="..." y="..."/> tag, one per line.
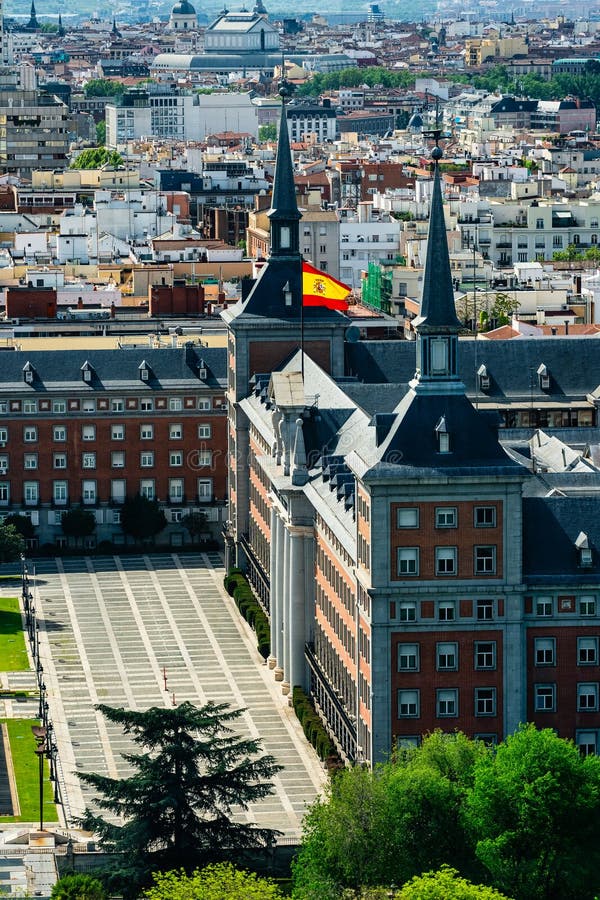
<point x="534" y="812"/>
<point x="217" y="882"/>
<point x="178" y="803"/>
<point x="446" y="884"/>
<point x="78" y="523"/>
<point x="12" y="543"/>
<point x="78" y="887"/>
<point x="22" y="523"/>
<point x="142" y="518"/>
<point x="95" y="157"/>
<point x="196" y="524"/>
<point x="103" y="87"/>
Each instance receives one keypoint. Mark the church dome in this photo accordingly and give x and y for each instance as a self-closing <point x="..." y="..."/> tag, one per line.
<point x="183" y="8"/>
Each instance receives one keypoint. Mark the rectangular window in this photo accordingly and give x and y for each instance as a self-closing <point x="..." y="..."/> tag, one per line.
<point x="146" y="432"/>
<point x="204" y="431"/>
<point x="407" y="610"/>
<point x="485" y="610"/>
<point x="117" y="405"/>
<point x="446" y="611"/>
<point x="60" y="460"/>
<point x="203" y="458"/>
<point x="587" y="651"/>
<point x="408" y="560"/>
<point x="147" y="488"/>
<point x="117" y="459"/>
<point x="447" y="702"/>
<point x="446" y="656"/>
<point x="544" y="697"/>
<point x="407" y="518"/>
<point x="3" y="435"/>
<point x="176" y="458"/>
<point x="117" y="432"/>
<point x="445" y="560"/>
<point x="175" y="404"/>
<point x="89" y="492"/>
<point x="30" y="406"/>
<point x="408" y="657"/>
<point x="545" y="651"/>
<point x="117" y="490"/>
<point x="88" y="406"/>
<point x="60" y="491"/>
<point x="485" y="654"/>
<point x="4" y="492"/>
<point x="3" y="463"/>
<point x="175" y="490"/>
<point x="175" y="432"/>
<point x="88" y="461"/>
<point x="205" y="490"/>
<point x="59" y="406"/>
<point x="446" y="517"/>
<point x="30" y="461"/>
<point x="543" y="606"/>
<point x="31" y="492"/>
<point x="587" y="606"/>
<point x="88" y="433"/>
<point x="485" y="560"/>
<point x="30" y="434"/>
<point x="485" y="517"/>
<point x="408" y="704"/>
<point x="204" y="403"/>
<point x="147" y="459"/>
<point x="587" y="742"/>
<point x="147" y="404"/>
<point x="485" y="701"/>
<point x="587" y="697"/>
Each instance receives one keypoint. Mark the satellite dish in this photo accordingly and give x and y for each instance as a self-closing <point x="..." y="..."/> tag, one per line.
<point x="352" y="334"/>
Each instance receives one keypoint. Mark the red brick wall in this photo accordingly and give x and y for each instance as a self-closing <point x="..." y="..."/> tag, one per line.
<point x="427" y="537"/>
<point x="30" y="303"/>
<point x="267" y="355"/>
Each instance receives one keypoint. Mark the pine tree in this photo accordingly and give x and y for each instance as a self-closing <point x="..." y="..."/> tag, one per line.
<point x="178" y="804"/>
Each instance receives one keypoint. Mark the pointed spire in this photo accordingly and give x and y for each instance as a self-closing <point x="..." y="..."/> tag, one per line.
<point x="300" y="471"/>
<point x="284" y="213"/>
<point x="61" y="30"/>
<point x="438" y="310"/>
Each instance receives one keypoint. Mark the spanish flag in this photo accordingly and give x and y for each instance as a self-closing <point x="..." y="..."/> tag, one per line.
<point x="320" y="289"/>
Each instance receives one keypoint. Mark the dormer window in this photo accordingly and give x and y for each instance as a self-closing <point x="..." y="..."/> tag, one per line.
<point x="442" y="436"/>
<point x="86" y="372"/>
<point x="28" y="373"/>
<point x="202" y="371"/>
<point x="483" y="379"/>
<point x="144" y="371"/>
<point x="544" y="377"/>
<point x="584" y="550"/>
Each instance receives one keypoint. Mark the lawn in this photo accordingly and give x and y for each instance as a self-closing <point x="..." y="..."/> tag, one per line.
<point x="12" y="639"/>
<point x="26" y="766"/>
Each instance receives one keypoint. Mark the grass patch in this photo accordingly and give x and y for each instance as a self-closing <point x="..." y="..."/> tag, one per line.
<point x="26" y="766"/>
<point x="12" y="639"/>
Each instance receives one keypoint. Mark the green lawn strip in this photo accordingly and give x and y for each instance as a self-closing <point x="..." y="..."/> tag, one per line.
<point x="26" y="767"/>
<point x="13" y="655"/>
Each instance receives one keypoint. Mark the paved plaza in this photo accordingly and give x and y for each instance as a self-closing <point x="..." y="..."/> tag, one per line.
<point x="111" y="628"/>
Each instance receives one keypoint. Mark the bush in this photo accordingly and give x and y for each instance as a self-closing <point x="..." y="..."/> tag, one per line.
<point x="237" y="586"/>
<point x="313" y="728"/>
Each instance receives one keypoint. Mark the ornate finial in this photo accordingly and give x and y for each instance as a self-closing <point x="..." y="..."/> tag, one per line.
<point x="285" y="88"/>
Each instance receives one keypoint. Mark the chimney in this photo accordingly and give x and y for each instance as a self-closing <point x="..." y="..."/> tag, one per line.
<point x="566" y="327"/>
<point x="553" y="331"/>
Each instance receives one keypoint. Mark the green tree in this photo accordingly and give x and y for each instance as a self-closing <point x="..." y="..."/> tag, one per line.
<point x="267" y="132"/>
<point x="177" y="803"/>
<point x="49" y="28"/>
<point x="78" y="887"/>
<point x="103" y="87"/>
<point x="23" y="524"/>
<point x="78" y="523"/>
<point x="374" y="828"/>
<point x="11" y="543"/>
<point x="571" y="254"/>
<point x="217" y="882"/>
<point x="196" y="524"/>
<point x="95" y="157"/>
<point x="101" y="132"/>
<point x="142" y="518"/>
<point x="534" y="811"/>
<point x="503" y="309"/>
<point x="446" y="884"/>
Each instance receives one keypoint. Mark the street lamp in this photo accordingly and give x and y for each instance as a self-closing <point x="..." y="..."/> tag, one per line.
<point x="39" y="734"/>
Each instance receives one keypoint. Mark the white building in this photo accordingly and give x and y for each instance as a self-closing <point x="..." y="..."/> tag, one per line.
<point x="366" y="236"/>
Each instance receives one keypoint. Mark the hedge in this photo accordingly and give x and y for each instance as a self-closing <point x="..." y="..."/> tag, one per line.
<point x="237" y="586"/>
<point x="312" y="726"/>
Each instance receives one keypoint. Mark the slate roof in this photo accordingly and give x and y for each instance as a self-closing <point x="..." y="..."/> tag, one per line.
<point x="113" y="369"/>
<point x="573" y="365"/>
<point x="551" y="526"/>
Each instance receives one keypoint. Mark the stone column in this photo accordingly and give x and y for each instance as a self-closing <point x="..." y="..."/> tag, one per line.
<point x="273" y="599"/>
<point x="280" y="593"/>
<point x="296" y="626"/>
<point x="283" y="659"/>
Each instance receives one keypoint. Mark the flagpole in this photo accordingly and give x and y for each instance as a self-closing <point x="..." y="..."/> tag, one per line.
<point x="302" y="327"/>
